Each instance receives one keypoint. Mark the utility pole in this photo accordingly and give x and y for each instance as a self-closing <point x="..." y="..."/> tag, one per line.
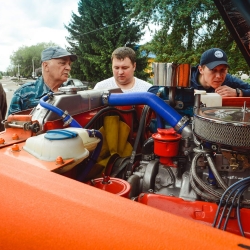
<point x="18" y="71"/>
<point x="33" y="72"/>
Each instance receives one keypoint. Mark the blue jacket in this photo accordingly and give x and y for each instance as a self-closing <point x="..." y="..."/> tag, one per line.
<point x="28" y="95"/>
<point x="230" y="81"/>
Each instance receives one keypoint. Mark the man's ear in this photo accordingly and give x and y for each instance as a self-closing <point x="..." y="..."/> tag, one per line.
<point x="134" y="66"/>
<point x="45" y="66"/>
<point x="200" y="68"/>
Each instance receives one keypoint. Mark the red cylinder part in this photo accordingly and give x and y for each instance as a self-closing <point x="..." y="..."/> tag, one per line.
<point x="112" y="185"/>
<point x="166" y="145"/>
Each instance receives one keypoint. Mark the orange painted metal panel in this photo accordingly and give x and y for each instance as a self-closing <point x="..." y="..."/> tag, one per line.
<point x="201" y="211"/>
<point x="236" y="101"/>
<point x="20" y="155"/>
<point x="43" y="210"/>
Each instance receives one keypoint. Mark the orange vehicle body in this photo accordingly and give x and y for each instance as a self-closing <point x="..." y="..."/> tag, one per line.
<point x="41" y="209"/>
<point x="58" y="191"/>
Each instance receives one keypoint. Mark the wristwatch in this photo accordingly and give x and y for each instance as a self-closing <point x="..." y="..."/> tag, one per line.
<point x="237" y="92"/>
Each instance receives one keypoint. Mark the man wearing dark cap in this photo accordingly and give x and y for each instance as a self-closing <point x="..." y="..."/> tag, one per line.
<point x="56" y="66"/>
<point x="212" y="75"/>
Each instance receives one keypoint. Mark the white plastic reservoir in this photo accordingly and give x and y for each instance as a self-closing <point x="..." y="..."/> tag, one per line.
<point x="67" y="143"/>
<point x="210" y="99"/>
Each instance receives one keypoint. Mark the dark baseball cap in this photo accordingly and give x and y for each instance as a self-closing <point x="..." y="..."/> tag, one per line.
<point x="56" y="52"/>
<point x="213" y="57"/>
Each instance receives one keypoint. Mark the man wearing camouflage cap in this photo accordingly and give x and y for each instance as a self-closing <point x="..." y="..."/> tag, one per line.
<point x="56" y="66"/>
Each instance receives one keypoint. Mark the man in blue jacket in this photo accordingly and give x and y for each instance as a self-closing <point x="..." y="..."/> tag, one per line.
<point x="212" y="75"/>
<point x="56" y="66"/>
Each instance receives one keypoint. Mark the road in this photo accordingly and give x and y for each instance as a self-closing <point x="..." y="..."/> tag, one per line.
<point x="9" y="87"/>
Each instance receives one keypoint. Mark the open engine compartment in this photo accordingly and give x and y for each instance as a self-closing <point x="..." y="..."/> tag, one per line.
<point x="137" y="146"/>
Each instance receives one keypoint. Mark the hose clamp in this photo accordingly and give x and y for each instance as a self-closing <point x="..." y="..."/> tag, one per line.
<point x="105" y="97"/>
<point x="50" y="95"/>
<point x="68" y="122"/>
<point x="65" y="114"/>
<point x="181" y="123"/>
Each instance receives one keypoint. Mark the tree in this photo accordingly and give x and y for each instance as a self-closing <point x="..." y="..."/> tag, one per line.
<point x="25" y="57"/>
<point x="188" y="28"/>
<point x="101" y="27"/>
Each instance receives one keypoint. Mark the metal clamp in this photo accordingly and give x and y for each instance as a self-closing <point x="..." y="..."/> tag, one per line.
<point x="181" y="123"/>
<point x="105" y="97"/>
<point x="68" y="122"/>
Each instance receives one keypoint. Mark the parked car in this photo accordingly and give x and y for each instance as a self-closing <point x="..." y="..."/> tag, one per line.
<point x="75" y="82"/>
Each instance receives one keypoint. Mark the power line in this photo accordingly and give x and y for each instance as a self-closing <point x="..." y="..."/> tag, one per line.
<point x="80" y="35"/>
<point x="101" y="28"/>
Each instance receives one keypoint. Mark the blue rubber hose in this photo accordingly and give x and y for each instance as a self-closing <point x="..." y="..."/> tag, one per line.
<point x="66" y="117"/>
<point x="145" y="98"/>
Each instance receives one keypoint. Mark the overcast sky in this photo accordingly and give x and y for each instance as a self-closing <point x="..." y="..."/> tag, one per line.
<point x="28" y="22"/>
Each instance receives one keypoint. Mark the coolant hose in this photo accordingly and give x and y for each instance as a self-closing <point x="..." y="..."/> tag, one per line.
<point x="93" y="159"/>
<point x="66" y="117"/>
<point x="146" y="98"/>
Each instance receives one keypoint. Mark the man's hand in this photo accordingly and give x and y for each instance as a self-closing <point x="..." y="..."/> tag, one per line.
<point x="226" y="91"/>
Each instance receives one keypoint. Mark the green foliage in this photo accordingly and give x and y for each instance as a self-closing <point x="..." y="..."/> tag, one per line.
<point x="188" y="28"/>
<point x="96" y="32"/>
<point x="24" y="56"/>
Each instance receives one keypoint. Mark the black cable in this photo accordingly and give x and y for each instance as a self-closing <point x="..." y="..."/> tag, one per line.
<point x="236" y="184"/>
<point x="239" y="217"/>
<point x="234" y="189"/>
<point x="238" y="194"/>
<point x="225" y="207"/>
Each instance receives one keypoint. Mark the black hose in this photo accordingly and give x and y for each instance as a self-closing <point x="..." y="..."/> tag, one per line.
<point x="147" y="147"/>
<point x="91" y="160"/>
<point x="137" y="139"/>
<point x="105" y="110"/>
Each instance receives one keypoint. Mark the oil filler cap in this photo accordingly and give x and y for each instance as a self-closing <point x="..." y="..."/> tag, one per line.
<point x="59" y="134"/>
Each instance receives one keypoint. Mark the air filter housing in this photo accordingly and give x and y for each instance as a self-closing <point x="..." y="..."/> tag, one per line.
<point x="223" y="125"/>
